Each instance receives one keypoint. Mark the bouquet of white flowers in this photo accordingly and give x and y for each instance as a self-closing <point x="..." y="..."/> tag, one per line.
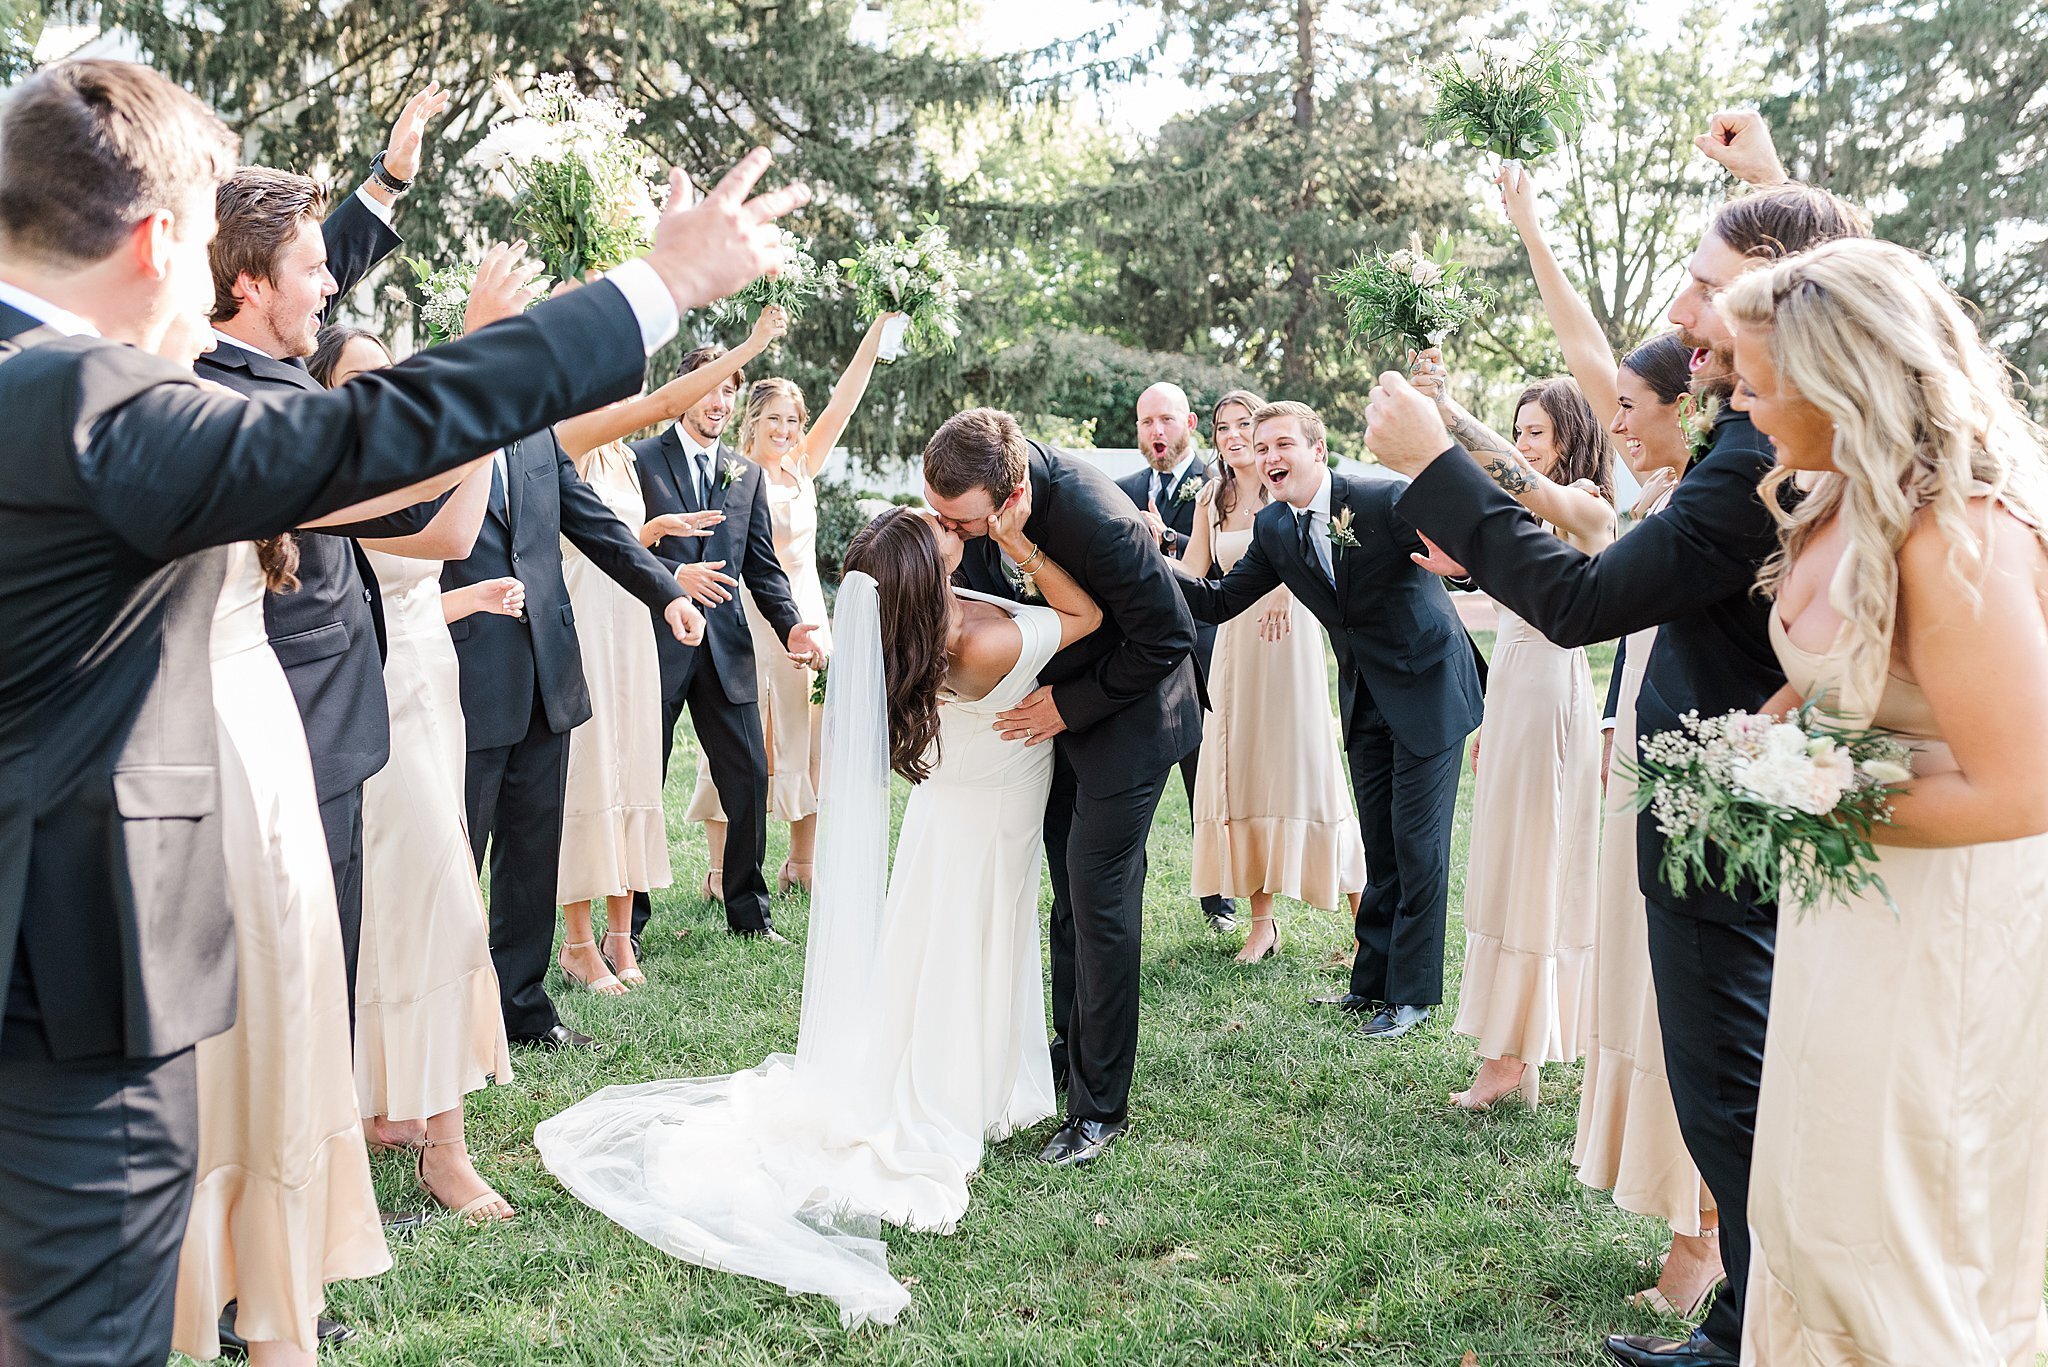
<point x="1517" y="105"/>
<point x="918" y="276"/>
<point x="802" y="280"/>
<point x="584" y="187"/>
<point x="443" y="303"/>
<point x="1415" y="297"/>
<point x="1788" y="806"/>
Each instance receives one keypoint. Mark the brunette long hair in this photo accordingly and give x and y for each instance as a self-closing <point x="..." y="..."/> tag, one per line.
<point x="1581" y="443"/>
<point x="899" y="550"/>
<point x="1226" y="478"/>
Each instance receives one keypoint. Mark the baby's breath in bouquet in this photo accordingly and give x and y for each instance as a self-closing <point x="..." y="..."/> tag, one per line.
<point x="1409" y="296"/>
<point x="583" y="185"/>
<point x="1520" y="105"/>
<point x="918" y="276"/>
<point x="802" y="280"/>
<point x="1786" y="807"/>
<point x="442" y="305"/>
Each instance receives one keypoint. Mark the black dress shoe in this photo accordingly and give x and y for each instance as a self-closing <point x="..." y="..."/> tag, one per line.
<point x="767" y="933"/>
<point x="1222" y="919"/>
<point x="1346" y="1001"/>
<point x="560" y="1037"/>
<point x="636" y="949"/>
<point x="1080" y="1142"/>
<point x="234" y="1345"/>
<point x="1392" y="1022"/>
<point x="1643" y="1350"/>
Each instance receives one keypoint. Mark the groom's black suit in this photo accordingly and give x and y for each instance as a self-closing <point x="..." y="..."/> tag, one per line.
<point x="717" y="680"/>
<point x="1132" y="705"/>
<point x="523" y="692"/>
<point x="117" y="474"/>
<point x="1409" y="694"/>
<point x="1690" y="571"/>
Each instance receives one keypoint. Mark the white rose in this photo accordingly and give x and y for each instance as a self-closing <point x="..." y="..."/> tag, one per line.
<point x="1425" y="272"/>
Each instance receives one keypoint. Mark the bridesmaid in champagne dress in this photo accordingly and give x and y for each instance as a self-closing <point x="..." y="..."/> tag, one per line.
<point x="428" y="1027"/>
<point x="1272" y="813"/>
<point x="1899" y="1189"/>
<point x="1530" y="904"/>
<point x="282" y="1204"/>
<point x="777" y="434"/>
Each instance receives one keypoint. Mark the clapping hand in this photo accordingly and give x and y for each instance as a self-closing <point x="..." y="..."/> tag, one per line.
<point x="803" y="648"/>
<point x="507" y="283"/>
<point x="1437" y="563"/>
<point x="680" y="524"/>
<point x="684" y="620"/>
<point x="702" y="582"/>
<point x="402" y="152"/>
<point x="1740" y="140"/>
<point x="706" y="250"/>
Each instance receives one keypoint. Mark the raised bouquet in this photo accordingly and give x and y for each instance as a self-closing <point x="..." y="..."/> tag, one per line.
<point x="802" y="280"/>
<point x="918" y="276"/>
<point x="442" y="307"/>
<point x="1786" y="807"/>
<point x="1411" y="296"/>
<point x="583" y="186"/>
<point x="1518" y="105"/>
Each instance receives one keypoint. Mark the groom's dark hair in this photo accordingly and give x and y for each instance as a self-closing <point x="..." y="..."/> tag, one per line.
<point x="90" y="148"/>
<point x="982" y="448"/>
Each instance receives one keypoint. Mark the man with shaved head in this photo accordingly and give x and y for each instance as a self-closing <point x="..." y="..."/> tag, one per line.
<point x="1165" y="494"/>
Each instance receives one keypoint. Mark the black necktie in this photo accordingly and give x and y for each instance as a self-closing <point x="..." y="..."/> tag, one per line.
<point x="703" y="463"/>
<point x="1158" y="488"/>
<point x="1305" y="528"/>
<point x="498" y="488"/>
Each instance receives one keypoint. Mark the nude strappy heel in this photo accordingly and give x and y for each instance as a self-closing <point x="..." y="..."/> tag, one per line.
<point x="471" y="1210"/>
<point x="597" y="985"/>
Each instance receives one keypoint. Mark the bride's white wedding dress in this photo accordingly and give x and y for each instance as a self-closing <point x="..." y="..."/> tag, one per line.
<point x="923" y="1031"/>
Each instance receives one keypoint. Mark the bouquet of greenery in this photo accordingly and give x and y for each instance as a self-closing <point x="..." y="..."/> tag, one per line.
<point x="1787" y="806"/>
<point x="1518" y="106"/>
<point x="583" y="186"/>
<point x="918" y="276"/>
<point x="801" y="281"/>
<point x="443" y="303"/>
<point x="1414" y="297"/>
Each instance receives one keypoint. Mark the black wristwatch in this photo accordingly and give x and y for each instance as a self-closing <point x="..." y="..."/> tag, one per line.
<point x="384" y="177"/>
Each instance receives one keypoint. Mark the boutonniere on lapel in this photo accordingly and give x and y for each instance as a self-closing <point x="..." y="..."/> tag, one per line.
<point x="1341" y="535"/>
<point x="1188" y="492"/>
<point x="1025" y="586"/>
<point x="728" y="472"/>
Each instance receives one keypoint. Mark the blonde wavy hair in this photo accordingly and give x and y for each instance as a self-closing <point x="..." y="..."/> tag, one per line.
<point x="1924" y="418"/>
<point x="758" y="395"/>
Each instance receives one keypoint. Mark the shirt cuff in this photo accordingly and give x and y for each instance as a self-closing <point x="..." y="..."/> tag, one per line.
<point x="375" y="205"/>
<point x="652" y="304"/>
<point x="1607" y="723"/>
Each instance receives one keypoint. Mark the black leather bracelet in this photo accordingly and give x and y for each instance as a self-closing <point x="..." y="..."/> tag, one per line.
<point x="384" y="177"/>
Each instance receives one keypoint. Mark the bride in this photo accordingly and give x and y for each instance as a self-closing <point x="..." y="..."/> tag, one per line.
<point x="923" y="1027"/>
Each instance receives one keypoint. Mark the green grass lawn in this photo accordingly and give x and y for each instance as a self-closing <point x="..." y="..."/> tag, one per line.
<point x="1289" y="1191"/>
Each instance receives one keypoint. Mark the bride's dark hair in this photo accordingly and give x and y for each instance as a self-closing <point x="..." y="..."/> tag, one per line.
<point x="901" y="552"/>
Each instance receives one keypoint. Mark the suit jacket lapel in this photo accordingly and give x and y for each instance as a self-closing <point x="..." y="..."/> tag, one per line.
<point x="1308" y="581"/>
<point x="515" y="479"/>
<point x="1340" y="563"/>
<point x="680" y="473"/>
<point x="714" y="497"/>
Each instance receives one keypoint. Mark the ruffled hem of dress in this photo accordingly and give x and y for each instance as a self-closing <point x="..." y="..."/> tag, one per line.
<point x="1316" y="862"/>
<point x="416" y="1059"/>
<point x="1629" y="1144"/>
<point x="612" y="853"/>
<point x="791" y="797"/>
<point x="1525" y="1005"/>
<point x="296" y="1240"/>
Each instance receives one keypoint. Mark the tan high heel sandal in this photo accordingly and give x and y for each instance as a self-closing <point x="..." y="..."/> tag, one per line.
<point x="714" y="885"/>
<point x="471" y="1210"/>
<point x="793" y="875"/>
<point x="597" y="985"/>
<point x="1245" y="956"/>
<point x="631" y="977"/>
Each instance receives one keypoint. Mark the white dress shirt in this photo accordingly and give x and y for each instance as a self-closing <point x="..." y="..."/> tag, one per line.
<point x="45" y="312"/>
<point x="1163" y="481"/>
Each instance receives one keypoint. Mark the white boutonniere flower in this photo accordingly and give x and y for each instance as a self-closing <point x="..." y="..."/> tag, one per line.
<point x="1188" y="492"/>
<point x="1341" y="535"/>
<point x="727" y="473"/>
<point x="1026" y="586"/>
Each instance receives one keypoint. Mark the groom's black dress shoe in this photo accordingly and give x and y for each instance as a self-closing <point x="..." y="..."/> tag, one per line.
<point x="560" y="1037"/>
<point x="767" y="933"/>
<point x="1642" y="1350"/>
<point x="1392" y="1022"/>
<point x="1346" y="1001"/>
<point x="233" y="1344"/>
<point x="1080" y="1142"/>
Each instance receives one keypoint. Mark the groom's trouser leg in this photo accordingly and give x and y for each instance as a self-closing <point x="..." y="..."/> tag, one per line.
<point x="1407" y="804"/>
<point x="1106" y="888"/>
<point x="1713" y="984"/>
<point x="1059" y="823"/>
<point x="671" y="713"/>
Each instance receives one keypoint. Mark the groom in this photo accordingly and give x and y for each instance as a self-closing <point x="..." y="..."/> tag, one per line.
<point x="1123" y="704"/>
<point x="1405" y="677"/>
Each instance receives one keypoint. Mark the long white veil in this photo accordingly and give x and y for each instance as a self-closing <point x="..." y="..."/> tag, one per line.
<point x="851" y="881"/>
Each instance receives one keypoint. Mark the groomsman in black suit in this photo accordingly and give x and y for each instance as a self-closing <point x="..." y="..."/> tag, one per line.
<point x="1691" y="572"/>
<point x="118" y="472"/>
<point x="1124" y="703"/>
<point x="1165" y="494"/>
<point x="277" y="269"/>
<point x="687" y="469"/>
<point x="1406" y="683"/>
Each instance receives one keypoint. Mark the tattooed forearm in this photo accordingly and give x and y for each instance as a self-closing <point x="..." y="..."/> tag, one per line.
<point x="1495" y="456"/>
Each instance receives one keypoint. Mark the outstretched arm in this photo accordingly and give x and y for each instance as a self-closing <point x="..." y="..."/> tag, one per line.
<point x="451" y="535"/>
<point x="1579" y="334"/>
<point x="846" y="396"/>
<point x="1219" y="600"/>
<point x="586" y="432"/>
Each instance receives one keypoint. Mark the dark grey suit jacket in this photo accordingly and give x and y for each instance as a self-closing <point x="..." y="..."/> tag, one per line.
<point x="117" y="470"/>
<point x="1177" y="510"/>
<point x="745" y="541"/>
